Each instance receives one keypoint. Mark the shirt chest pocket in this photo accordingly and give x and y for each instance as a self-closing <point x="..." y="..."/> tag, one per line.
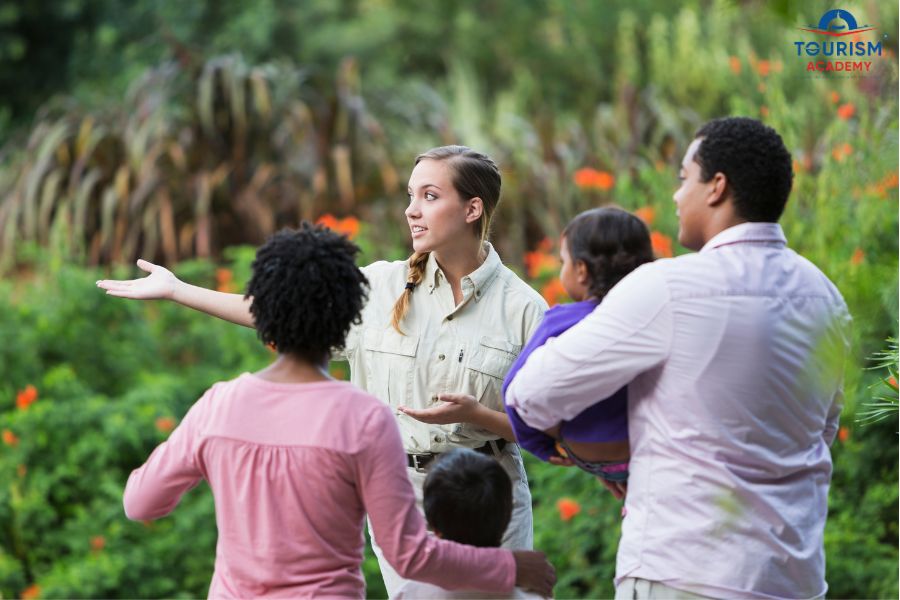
<point x="487" y="366"/>
<point x="390" y="361"/>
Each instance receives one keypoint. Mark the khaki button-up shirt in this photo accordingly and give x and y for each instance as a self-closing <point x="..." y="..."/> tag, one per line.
<point x="447" y="348"/>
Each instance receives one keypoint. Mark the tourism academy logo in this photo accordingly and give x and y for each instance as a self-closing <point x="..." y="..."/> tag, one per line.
<point x="854" y="55"/>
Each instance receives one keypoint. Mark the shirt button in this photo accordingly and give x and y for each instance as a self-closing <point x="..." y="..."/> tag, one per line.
<point x="450" y="318"/>
<point x="438" y="439"/>
<point x="441" y="357"/>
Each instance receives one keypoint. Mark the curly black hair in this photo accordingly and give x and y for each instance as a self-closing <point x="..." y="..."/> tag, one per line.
<point x="467" y="498"/>
<point x="611" y="242"/>
<point x="307" y="291"/>
<point x="754" y="159"/>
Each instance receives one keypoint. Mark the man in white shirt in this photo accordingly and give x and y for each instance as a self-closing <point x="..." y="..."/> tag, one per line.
<point x="733" y="358"/>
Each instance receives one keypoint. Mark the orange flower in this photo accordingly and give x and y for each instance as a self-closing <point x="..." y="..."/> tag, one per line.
<point x="734" y="63"/>
<point x="662" y="244"/>
<point x="845" y="111"/>
<point x="26" y="397"/>
<point x="764" y="111"/>
<point x="338" y="372"/>
<point x="835" y="97"/>
<point x="858" y="257"/>
<point x="567" y="508"/>
<point x="588" y="178"/>
<point x="839" y="153"/>
<point x="348" y="226"/>
<point x="97" y="543"/>
<point x="798" y="166"/>
<point x="32" y="592"/>
<point x="554" y="292"/>
<point x="843" y="434"/>
<point x="763" y="67"/>
<point x="646" y="214"/>
<point x="165" y="424"/>
<point x="9" y="438"/>
<point x="881" y="188"/>
<point x="892" y="381"/>
<point x="327" y="220"/>
<point x="224" y="280"/>
<point x="539" y="263"/>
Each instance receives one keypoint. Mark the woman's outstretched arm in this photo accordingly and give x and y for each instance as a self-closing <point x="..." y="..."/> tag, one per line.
<point x="161" y="284"/>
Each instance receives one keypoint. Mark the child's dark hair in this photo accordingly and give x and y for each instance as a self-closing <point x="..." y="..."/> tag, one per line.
<point x="307" y="291"/>
<point x="612" y="243"/>
<point x="468" y="498"/>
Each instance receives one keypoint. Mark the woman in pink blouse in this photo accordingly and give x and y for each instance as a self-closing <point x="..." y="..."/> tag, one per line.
<point x="296" y="460"/>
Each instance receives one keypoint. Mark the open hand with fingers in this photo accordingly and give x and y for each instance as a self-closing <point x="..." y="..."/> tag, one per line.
<point x="534" y="572"/>
<point x="454" y="408"/>
<point x="160" y="284"/>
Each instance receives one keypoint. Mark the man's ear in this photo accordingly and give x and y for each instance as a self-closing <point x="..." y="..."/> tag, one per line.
<point x="720" y="189"/>
<point x="474" y="209"/>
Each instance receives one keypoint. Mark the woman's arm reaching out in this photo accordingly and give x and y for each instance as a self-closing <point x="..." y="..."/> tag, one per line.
<point x="161" y="284"/>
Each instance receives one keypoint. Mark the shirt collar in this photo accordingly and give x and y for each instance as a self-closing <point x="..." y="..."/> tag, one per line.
<point x="479" y="279"/>
<point x="747" y="232"/>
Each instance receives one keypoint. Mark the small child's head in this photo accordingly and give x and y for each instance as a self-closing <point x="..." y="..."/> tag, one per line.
<point x="307" y="291"/>
<point x="468" y="498"/>
<point x="598" y="248"/>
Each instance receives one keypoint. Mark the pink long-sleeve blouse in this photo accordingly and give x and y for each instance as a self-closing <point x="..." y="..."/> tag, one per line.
<point x="294" y="468"/>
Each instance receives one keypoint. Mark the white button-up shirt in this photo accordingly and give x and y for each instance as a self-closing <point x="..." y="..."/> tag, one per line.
<point x="733" y="358"/>
<point x="447" y="348"/>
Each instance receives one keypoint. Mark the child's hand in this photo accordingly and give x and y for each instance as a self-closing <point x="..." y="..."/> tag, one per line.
<point x="456" y="408"/>
<point x="618" y="488"/>
<point x="561" y="459"/>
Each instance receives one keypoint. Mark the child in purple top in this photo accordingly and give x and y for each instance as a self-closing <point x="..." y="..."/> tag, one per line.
<point x="597" y="248"/>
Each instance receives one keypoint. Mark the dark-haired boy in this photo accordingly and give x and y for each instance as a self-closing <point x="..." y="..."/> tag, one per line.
<point x="732" y="356"/>
<point x="468" y="499"/>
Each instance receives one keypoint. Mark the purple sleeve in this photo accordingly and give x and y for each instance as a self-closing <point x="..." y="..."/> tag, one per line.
<point x="534" y="440"/>
<point x="556" y="320"/>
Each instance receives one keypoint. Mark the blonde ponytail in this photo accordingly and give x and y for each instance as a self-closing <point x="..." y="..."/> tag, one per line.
<point x="414" y="276"/>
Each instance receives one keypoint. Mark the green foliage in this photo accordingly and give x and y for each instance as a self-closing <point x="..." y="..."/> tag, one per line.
<point x="111" y="379"/>
<point x="885" y="403"/>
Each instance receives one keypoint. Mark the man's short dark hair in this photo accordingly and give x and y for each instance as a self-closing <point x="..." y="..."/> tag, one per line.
<point x="307" y="291"/>
<point x="754" y="159"/>
<point x="468" y="498"/>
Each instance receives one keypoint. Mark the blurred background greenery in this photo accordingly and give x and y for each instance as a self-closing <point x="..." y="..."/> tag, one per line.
<point x="187" y="132"/>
